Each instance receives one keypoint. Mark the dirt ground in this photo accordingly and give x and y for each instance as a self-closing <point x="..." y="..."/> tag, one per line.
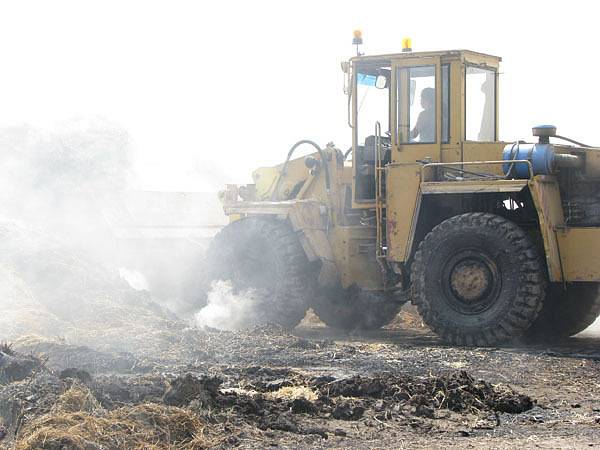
<point x="89" y="363"/>
<point x="313" y="388"/>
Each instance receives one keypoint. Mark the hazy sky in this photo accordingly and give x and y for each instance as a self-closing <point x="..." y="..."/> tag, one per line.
<point x="222" y="87"/>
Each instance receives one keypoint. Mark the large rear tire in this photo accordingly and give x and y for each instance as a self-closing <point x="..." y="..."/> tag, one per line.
<point x="567" y="311"/>
<point x="263" y="255"/>
<point x="478" y="280"/>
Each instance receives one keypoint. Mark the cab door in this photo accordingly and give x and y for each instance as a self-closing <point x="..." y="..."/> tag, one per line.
<point x="417" y="135"/>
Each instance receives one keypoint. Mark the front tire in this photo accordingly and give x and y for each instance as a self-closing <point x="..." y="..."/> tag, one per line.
<point x="266" y="256"/>
<point x="478" y="280"/>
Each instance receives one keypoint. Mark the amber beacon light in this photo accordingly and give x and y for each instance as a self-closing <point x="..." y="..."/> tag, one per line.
<point x="357" y="40"/>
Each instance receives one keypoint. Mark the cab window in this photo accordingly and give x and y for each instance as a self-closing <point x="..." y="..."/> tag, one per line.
<point x="417" y="104"/>
<point x="372" y="105"/>
<point x="480" y="104"/>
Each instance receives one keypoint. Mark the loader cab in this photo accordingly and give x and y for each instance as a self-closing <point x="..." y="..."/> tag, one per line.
<point x="412" y="107"/>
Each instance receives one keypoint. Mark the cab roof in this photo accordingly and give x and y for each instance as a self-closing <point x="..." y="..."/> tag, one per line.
<point x="448" y="54"/>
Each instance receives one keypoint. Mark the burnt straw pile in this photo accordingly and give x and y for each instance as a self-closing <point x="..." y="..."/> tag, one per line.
<point x="230" y="405"/>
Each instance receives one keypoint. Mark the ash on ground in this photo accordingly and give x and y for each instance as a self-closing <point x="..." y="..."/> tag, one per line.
<point x="266" y="386"/>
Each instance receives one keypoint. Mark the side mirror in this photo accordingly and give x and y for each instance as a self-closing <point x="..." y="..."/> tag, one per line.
<point x="381" y="82"/>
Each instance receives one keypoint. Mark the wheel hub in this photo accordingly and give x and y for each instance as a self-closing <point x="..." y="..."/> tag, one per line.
<point x="470" y="280"/>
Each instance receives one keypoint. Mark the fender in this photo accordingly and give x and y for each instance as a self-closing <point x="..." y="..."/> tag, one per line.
<point x="572" y="253"/>
<point x="405" y="193"/>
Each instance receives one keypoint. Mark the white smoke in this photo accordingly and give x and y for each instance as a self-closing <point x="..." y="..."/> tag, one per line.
<point x="134" y="278"/>
<point x="227" y="310"/>
<point x="59" y="255"/>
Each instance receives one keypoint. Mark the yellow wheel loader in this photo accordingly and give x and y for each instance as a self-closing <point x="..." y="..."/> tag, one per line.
<point x="490" y="240"/>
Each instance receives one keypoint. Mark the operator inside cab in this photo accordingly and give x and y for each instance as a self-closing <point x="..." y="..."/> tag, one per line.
<point x="424" y="129"/>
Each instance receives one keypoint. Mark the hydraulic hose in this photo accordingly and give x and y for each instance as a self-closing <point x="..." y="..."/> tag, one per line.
<point x="514" y="151"/>
<point x="289" y="156"/>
